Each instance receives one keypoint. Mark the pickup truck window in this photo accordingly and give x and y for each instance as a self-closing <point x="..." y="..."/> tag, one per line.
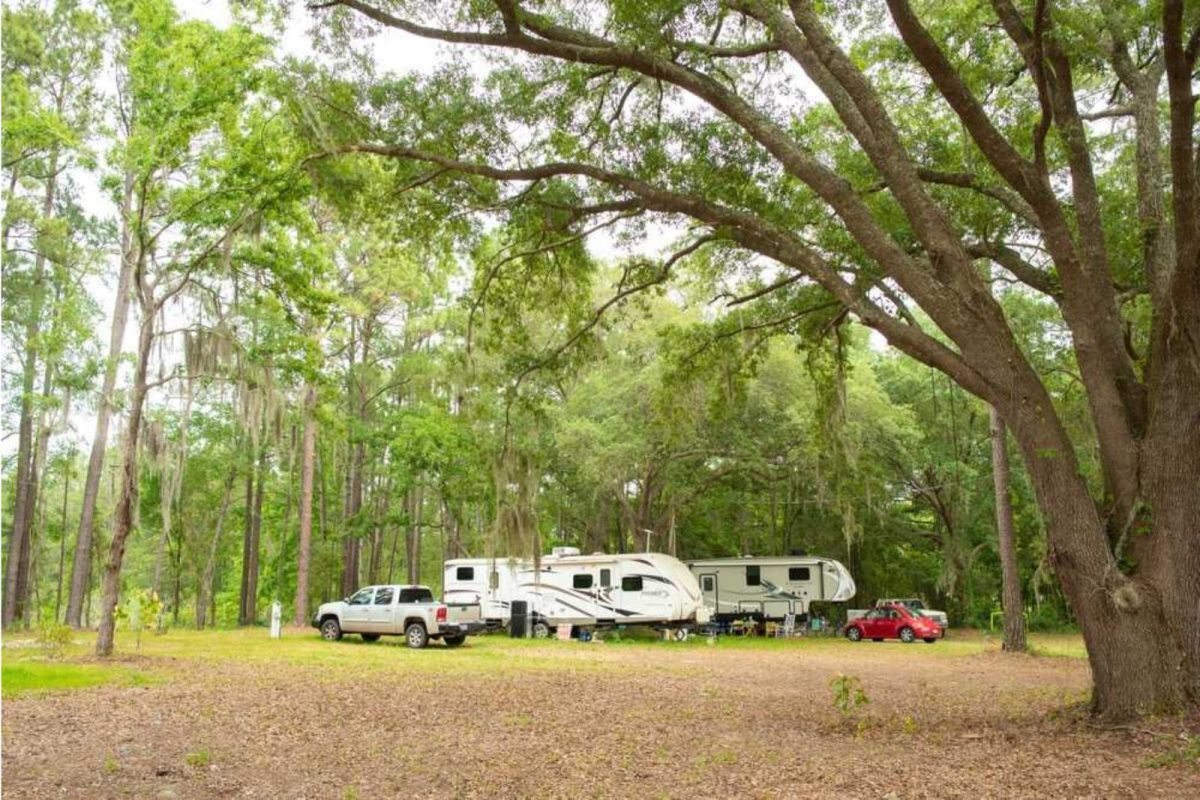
<point x="416" y="595"/>
<point x="464" y="574"/>
<point x="384" y="596"/>
<point x="362" y="597"/>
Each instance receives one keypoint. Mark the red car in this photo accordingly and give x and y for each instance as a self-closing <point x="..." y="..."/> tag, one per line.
<point x="893" y="622"/>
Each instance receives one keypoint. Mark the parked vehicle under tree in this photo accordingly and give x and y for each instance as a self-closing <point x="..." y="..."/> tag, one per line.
<point x="893" y="622"/>
<point x="397" y="610"/>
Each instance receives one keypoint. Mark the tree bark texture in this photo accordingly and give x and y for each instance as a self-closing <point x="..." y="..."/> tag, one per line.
<point x="1012" y="599"/>
<point x="308" y="451"/>
<point x="82" y="561"/>
<point x="123" y="516"/>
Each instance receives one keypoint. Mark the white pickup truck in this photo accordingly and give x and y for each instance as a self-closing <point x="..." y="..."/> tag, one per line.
<point x="396" y="610"/>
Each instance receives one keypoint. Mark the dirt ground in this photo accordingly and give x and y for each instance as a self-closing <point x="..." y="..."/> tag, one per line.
<point x="231" y="717"/>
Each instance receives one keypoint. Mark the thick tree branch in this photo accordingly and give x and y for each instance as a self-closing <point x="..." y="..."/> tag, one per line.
<point x="748" y="230"/>
<point x="966" y="180"/>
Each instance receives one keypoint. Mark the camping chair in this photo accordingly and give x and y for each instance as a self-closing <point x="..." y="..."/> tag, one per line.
<point x="788" y="628"/>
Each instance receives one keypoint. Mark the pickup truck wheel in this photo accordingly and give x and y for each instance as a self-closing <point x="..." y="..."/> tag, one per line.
<point x="416" y="636"/>
<point x="854" y="634"/>
<point x="330" y="630"/>
<point x="453" y="641"/>
<point x="907" y="636"/>
<point x="370" y="637"/>
<point x="541" y="630"/>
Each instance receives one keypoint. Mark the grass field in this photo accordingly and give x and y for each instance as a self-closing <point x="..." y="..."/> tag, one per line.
<point x="236" y="714"/>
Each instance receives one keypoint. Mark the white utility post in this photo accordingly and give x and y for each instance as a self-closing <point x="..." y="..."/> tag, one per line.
<point x="276" y="620"/>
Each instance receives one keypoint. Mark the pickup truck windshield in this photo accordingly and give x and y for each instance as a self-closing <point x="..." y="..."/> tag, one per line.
<point x="418" y="595"/>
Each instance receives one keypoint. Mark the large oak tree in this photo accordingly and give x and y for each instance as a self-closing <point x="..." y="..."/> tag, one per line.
<point x="1055" y="141"/>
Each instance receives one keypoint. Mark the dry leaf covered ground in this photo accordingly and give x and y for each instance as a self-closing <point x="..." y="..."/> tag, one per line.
<point x="234" y="714"/>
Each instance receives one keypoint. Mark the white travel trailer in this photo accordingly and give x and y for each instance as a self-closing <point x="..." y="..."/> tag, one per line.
<point x="597" y="590"/>
<point x="770" y="587"/>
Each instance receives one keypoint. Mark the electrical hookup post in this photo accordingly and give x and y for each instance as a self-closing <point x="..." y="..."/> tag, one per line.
<point x="276" y="620"/>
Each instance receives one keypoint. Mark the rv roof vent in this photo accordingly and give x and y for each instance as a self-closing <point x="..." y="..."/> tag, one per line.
<point x="798" y="552"/>
<point x="747" y="555"/>
<point x="565" y="551"/>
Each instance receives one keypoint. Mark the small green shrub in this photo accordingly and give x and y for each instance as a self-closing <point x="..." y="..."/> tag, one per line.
<point x="1189" y="753"/>
<point x="197" y="759"/>
<point x="53" y="638"/>
<point x="848" y="694"/>
<point x="141" y="610"/>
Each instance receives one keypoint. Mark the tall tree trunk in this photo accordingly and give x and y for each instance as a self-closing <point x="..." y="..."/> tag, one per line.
<point x="414" y="536"/>
<point x="19" y="544"/>
<point x="205" y="590"/>
<point x="171" y="484"/>
<point x="1012" y="597"/>
<point x="123" y="516"/>
<point x="82" y="562"/>
<point x="308" y="455"/>
<point x="1135" y="667"/>
<point x="247" y="536"/>
<point x="35" y="522"/>
<point x="250" y="553"/>
<point x="62" y="542"/>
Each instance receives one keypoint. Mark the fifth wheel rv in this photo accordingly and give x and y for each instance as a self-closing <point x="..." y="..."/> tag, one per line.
<point x="770" y="587"/>
<point x="567" y="588"/>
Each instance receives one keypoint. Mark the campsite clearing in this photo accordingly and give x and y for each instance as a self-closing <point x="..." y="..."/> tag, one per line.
<point x="234" y="714"/>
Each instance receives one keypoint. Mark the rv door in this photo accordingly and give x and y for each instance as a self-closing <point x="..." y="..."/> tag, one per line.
<point x="709" y="589"/>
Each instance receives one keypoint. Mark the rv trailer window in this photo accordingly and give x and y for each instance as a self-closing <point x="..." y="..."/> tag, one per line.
<point x="582" y="581"/>
<point x="464" y="574"/>
<point x="383" y="597"/>
<point x="606" y="577"/>
<point x="631" y="583"/>
<point x="494" y="581"/>
<point x="752" y="576"/>
<point x="706" y="583"/>
<point x="798" y="574"/>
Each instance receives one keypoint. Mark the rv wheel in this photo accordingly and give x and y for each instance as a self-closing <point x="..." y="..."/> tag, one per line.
<point x="541" y="630"/>
<point x="680" y="634"/>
